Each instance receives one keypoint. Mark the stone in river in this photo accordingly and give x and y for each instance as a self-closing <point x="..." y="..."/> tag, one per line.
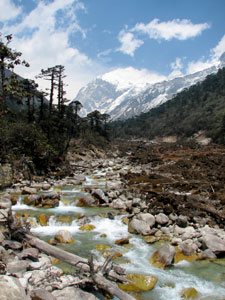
<point x="87" y="227"/>
<point x="140" y="283"/>
<point x="189" y="293"/>
<point x="163" y="257"/>
<point x="64" y="236"/>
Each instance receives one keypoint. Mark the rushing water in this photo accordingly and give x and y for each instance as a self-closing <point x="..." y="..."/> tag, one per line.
<point x="208" y="278"/>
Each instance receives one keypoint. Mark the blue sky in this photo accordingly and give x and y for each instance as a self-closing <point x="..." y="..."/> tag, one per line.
<point x="136" y="39"/>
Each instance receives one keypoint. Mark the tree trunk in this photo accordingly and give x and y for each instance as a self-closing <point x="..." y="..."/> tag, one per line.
<point x="96" y="270"/>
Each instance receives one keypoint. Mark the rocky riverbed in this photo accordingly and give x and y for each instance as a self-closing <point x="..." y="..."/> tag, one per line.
<point x="168" y="195"/>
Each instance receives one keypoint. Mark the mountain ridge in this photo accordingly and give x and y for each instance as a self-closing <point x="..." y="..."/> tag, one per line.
<point x="123" y="103"/>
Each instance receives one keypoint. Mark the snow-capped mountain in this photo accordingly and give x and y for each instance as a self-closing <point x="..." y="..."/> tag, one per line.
<point x="122" y="96"/>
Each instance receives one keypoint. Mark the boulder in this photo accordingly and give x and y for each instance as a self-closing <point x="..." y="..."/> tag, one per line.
<point x="189" y="294"/>
<point x="87" y="227"/>
<point x="188" y="248"/>
<point x="30" y="253"/>
<point x="147" y="218"/>
<point x="214" y="243"/>
<point x="99" y="195"/>
<point x="69" y="293"/>
<point x="14" y="245"/>
<point x="87" y="201"/>
<point x="163" y="257"/>
<point x="140" y="283"/>
<point x="189" y="233"/>
<point x="19" y="266"/>
<point x="4" y="216"/>
<point x="208" y="254"/>
<point x="122" y="241"/>
<point x="161" y="219"/>
<point x="118" y="204"/>
<point x="139" y="226"/>
<point x="11" y="288"/>
<point x="182" y="221"/>
<point x="32" y="200"/>
<point x="41" y="294"/>
<point x="5" y="203"/>
<point x="64" y="236"/>
<point x="29" y="191"/>
<point x="43" y="219"/>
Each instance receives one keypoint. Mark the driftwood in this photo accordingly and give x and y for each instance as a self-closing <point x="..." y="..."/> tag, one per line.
<point x="96" y="271"/>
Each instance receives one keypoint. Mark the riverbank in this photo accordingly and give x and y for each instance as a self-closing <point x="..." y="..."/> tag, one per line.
<point x="167" y="193"/>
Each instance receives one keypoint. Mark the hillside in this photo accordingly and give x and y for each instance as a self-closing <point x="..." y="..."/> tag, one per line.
<point x="201" y="107"/>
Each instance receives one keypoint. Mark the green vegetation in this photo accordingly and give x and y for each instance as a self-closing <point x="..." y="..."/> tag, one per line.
<point x="32" y="126"/>
<point x="201" y="107"/>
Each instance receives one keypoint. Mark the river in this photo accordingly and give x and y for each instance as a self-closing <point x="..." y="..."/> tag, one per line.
<point x="207" y="277"/>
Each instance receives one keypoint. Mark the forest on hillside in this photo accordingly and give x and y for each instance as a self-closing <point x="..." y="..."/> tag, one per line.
<point x="198" y="108"/>
<point x="40" y="124"/>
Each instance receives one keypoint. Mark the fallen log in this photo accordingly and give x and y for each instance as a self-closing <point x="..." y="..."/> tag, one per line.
<point x="96" y="270"/>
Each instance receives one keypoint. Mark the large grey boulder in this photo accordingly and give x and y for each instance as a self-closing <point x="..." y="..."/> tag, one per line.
<point x="73" y="293"/>
<point x="214" y="243"/>
<point x="161" y="219"/>
<point x="41" y="294"/>
<point x="139" y="226"/>
<point x="163" y="257"/>
<point x="11" y="289"/>
<point x="64" y="236"/>
<point x="147" y="218"/>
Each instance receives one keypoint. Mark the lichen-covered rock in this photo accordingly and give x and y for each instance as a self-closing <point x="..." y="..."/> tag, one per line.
<point x="65" y="219"/>
<point x="87" y="201"/>
<point x="114" y="255"/>
<point x="122" y="241"/>
<point x="163" y="257"/>
<point x="179" y="256"/>
<point x="189" y="293"/>
<point x="140" y="283"/>
<point x="64" y="236"/>
<point x="87" y="227"/>
<point x="6" y="175"/>
<point x="43" y="219"/>
<point x="102" y="247"/>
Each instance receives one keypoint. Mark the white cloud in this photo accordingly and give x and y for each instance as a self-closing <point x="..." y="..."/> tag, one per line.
<point x="177" y="64"/>
<point x="8" y="10"/>
<point x="213" y="60"/>
<point x="176" y="67"/>
<point x="44" y="40"/>
<point x="128" y="42"/>
<point x="219" y="49"/>
<point x="128" y="77"/>
<point x="178" y="29"/>
<point x="199" y="65"/>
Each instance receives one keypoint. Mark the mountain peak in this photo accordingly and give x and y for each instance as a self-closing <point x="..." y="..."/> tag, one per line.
<point x="127" y="92"/>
